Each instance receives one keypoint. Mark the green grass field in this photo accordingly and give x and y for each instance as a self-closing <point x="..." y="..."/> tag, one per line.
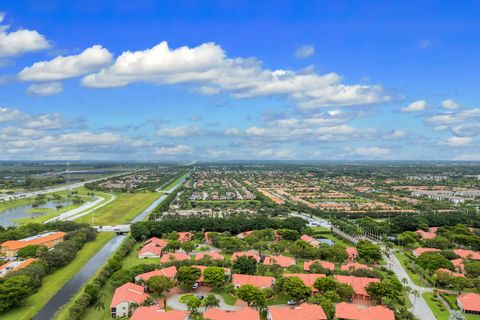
<point x="54" y="282"/>
<point x="416" y="279"/>
<point x="439" y="312"/>
<point x="125" y="207"/>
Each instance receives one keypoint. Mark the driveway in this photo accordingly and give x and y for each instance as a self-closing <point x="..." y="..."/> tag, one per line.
<point x="175" y="304"/>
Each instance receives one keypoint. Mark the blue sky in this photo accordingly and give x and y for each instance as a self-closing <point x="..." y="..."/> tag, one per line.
<point x="220" y="80"/>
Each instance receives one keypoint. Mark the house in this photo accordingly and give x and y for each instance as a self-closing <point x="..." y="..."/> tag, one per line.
<point x="126" y="298"/>
<point x="177" y="256"/>
<point x="252" y="254"/>
<point x="425" y="235"/>
<point x="282" y="261"/>
<point x="262" y="282"/>
<point x="352" y="253"/>
<point x="419" y="251"/>
<point x="155" y="313"/>
<point x="467" y="254"/>
<point x="450" y="272"/>
<point x="243" y="235"/>
<point x="311" y="241"/>
<point x="13" y="266"/>
<point x="324" y="264"/>
<point x="302" y="312"/>
<point x="185" y="236"/>
<point x="354" y="266"/>
<point x="209" y="255"/>
<point x="458" y="264"/>
<point x="347" y="311"/>
<point x="169" y="272"/>
<point x="241" y="314"/>
<point x="358" y="284"/>
<point x="307" y="278"/>
<point x="469" y="303"/>
<point x="50" y="239"/>
<point x="152" y="248"/>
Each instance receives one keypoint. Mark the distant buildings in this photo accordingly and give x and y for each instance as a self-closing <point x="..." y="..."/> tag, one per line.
<point x="49" y="239"/>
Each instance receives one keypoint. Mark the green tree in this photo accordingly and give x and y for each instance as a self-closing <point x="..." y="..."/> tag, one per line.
<point x="193" y="304"/>
<point x="245" y="265"/>
<point x="325" y="284"/>
<point x="211" y="301"/>
<point x="29" y="251"/>
<point x="296" y="288"/>
<point x="160" y="284"/>
<point x="472" y="269"/>
<point x="326" y="304"/>
<point x="187" y="246"/>
<point x="253" y="296"/>
<point x="434" y="261"/>
<point x="214" y="276"/>
<point x="369" y="251"/>
<point x="187" y="276"/>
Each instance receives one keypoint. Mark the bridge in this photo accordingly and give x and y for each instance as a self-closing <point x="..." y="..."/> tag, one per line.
<point x="118" y="229"/>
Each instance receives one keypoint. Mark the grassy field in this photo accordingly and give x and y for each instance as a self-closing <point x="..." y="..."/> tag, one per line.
<point x="54" y="282"/>
<point x="439" y="312"/>
<point x="330" y="236"/>
<point x="125" y="207"/>
<point x="416" y="279"/>
<point x="174" y="182"/>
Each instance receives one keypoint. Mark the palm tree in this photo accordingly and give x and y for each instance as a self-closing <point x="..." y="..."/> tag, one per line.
<point x="456" y="315"/>
<point x="404" y="281"/>
<point x="99" y="304"/>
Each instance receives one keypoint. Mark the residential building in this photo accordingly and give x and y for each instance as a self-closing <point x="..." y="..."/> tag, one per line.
<point x="252" y="254"/>
<point x="209" y="255"/>
<point x="155" y="313"/>
<point x="354" y="266"/>
<point x="469" y="303"/>
<point x="49" y="239"/>
<point x="307" y="278"/>
<point x="169" y="272"/>
<point x="282" y="261"/>
<point x="241" y="314"/>
<point x="419" y="251"/>
<point x="13" y="266"/>
<point x="126" y="298"/>
<point x="239" y="280"/>
<point x="358" y="284"/>
<point x="177" y="256"/>
<point x="324" y="264"/>
<point x="302" y="312"/>
<point x="348" y="311"/>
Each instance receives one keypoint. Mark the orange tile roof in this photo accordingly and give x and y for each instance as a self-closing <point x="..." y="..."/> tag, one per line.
<point x="185" y="236"/>
<point x="349" y="311"/>
<point x="324" y="264"/>
<point x="170" y="272"/>
<point x="129" y="292"/>
<point x="282" y="261"/>
<point x="358" y="283"/>
<point x="354" y="266"/>
<point x="352" y="252"/>
<point x="36" y="240"/>
<point x="236" y="255"/>
<point x="155" y="313"/>
<point x="13" y="266"/>
<point x="419" y="251"/>
<point x="450" y="272"/>
<point x="470" y="301"/>
<point x="302" y="312"/>
<point x="458" y="263"/>
<point x="178" y="256"/>
<point x="310" y="240"/>
<point x="212" y="255"/>
<point x="157" y="241"/>
<point x="241" y="314"/>
<point x="467" y="254"/>
<point x="151" y="248"/>
<point x="256" y="281"/>
<point x="426" y="235"/>
<point x="307" y="278"/>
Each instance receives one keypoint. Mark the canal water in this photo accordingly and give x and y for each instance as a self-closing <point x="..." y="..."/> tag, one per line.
<point x="72" y="286"/>
<point x="8" y="216"/>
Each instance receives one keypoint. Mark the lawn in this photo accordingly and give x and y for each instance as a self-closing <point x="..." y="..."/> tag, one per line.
<point x="125" y="207"/>
<point x="439" y="312"/>
<point x="229" y="299"/>
<point x="415" y="277"/>
<point x="54" y="282"/>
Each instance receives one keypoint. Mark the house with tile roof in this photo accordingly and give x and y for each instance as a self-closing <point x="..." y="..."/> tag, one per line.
<point x="467" y="254"/>
<point x="469" y="303"/>
<point x="352" y="266"/>
<point x="307" y="278"/>
<point x="209" y="255"/>
<point x="185" y="236"/>
<point x="169" y="272"/>
<point x="324" y="264"/>
<point x="262" y="282"/>
<point x="348" y="311"/>
<point x="302" y="312"/>
<point x="155" y="313"/>
<point x="451" y="273"/>
<point x="252" y="254"/>
<point x="50" y="239"/>
<point x="282" y="261"/>
<point x="241" y="314"/>
<point x="177" y="256"/>
<point x="358" y="284"/>
<point x="126" y="298"/>
<point x="13" y="266"/>
<point x="419" y="251"/>
<point x="310" y="240"/>
<point x="352" y="253"/>
<point x="152" y="248"/>
<point x="425" y="234"/>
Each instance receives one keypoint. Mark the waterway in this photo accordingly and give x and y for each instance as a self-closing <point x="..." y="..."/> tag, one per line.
<point x="8" y="216"/>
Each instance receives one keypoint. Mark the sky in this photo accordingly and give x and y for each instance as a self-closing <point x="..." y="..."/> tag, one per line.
<point x="235" y="80"/>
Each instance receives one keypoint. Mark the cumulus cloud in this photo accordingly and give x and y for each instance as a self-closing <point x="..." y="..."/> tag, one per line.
<point x="457" y="141"/>
<point x="416" y="106"/>
<point x="468" y="157"/>
<point x="395" y="134"/>
<point x="276" y="154"/>
<point x="173" y="150"/>
<point x="372" y="152"/>
<point x="61" y="68"/>
<point x="46" y="121"/>
<point x="450" y="104"/>
<point x="7" y="114"/>
<point x="45" y="89"/>
<point x="208" y="67"/>
<point x="20" y="41"/>
<point x="305" y="51"/>
<point x="179" y="132"/>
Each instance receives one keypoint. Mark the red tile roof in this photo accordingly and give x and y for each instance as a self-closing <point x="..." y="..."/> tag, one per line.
<point x="455" y="274"/>
<point x="419" y="251"/>
<point x="324" y="264"/>
<point x="307" y="278"/>
<point x="256" y="281"/>
<point x="312" y="241"/>
<point x="170" y="272"/>
<point x="157" y="241"/>
<point x="358" y="283"/>
<point x="302" y="312"/>
<point x="467" y="254"/>
<point x="349" y="311"/>
<point x="352" y="252"/>
<point x="185" y="236"/>
<point x="241" y="314"/>
<point x="354" y="266"/>
<point x="458" y="263"/>
<point x="129" y="292"/>
<point x="178" y="256"/>
<point x="155" y="313"/>
<point x="212" y="255"/>
<point x="283" y="261"/>
<point x="35" y="240"/>
<point x="426" y="235"/>
<point x="235" y="255"/>
<point x="151" y="248"/>
<point x="469" y="301"/>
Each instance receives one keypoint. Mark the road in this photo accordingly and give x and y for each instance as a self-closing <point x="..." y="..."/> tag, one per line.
<point x="420" y="308"/>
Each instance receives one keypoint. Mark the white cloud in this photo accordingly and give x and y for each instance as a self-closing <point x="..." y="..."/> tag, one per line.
<point x="208" y="67"/>
<point x="416" y="106"/>
<point x="275" y="154"/>
<point x="450" y="104"/>
<point x="468" y="157"/>
<point x="173" y="150"/>
<point x="46" y="121"/>
<point x="395" y="134"/>
<point x="20" y="41"/>
<point x="372" y="152"/>
<point x="45" y="89"/>
<point x="7" y="114"/>
<point x="305" y="51"/>
<point x="457" y="141"/>
<point x="61" y="68"/>
<point x="178" y="132"/>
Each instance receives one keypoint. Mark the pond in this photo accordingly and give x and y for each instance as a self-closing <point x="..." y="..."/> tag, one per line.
<point x="8" y="216"/>
<point x="326" y="241"/>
